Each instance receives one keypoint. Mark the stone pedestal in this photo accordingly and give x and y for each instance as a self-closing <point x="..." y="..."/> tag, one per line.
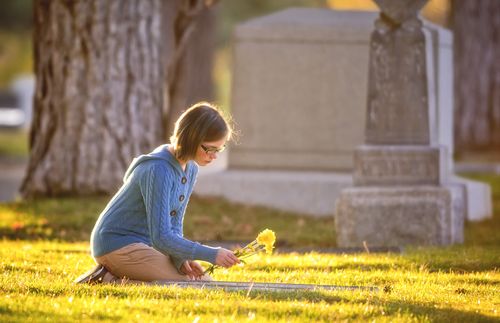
<point x="400" y="165"/>
<point x="402" y="195"/>
<point x="399" y="215"/>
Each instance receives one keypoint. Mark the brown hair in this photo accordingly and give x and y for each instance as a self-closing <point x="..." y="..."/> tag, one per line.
<point x="201" y="122"/>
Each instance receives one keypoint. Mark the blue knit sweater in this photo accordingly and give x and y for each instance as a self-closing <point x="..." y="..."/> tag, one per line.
<point x="149" y="208"/>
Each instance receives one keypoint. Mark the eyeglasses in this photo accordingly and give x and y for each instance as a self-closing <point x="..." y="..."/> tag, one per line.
<point x="212" y="150"/>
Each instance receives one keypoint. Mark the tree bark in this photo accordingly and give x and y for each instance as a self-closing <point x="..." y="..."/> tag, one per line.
<point x="476" y="28"/>
<point x="189" y="69"/>
<point x="99" y="93"/>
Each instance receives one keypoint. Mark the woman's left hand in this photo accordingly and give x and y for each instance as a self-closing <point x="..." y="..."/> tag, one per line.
<point x="192" y="269"/>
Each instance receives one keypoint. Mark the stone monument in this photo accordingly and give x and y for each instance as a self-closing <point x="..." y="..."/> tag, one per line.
<point x="401" y="194"/>
<point x="298" y="96"/>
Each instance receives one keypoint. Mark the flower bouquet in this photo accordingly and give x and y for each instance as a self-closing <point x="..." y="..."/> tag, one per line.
<point x="264" y="241"/>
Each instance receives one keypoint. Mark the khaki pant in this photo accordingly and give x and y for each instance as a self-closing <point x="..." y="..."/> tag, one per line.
<point x="140" y="262"/>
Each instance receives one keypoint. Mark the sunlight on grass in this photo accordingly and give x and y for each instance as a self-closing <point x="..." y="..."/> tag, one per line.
<point x="42" y="253"/>
<point x="408" y="290"/>
<point x="67" y="219"/>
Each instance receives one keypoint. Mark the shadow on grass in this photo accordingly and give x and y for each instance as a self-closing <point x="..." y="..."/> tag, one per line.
<point x="475" y="281"/>
<point x="464" y="268"/>
<point x="99" y="291"/>
<point x="456" y="259"/>
<point x="9" y="315"/>
<point x="431" y="311"/>
<point x="324" y="268"/>
<point x="303" y="295"/>
<point x="35" y="232"/>
<point x="65" y="219"/>
<point x="7" y="268"/>
<point x="67" y="251"/>
<point x="485" y="262"/>
<point x="434" y="313"/>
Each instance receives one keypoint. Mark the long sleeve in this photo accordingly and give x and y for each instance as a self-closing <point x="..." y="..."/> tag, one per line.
<point x="177" y="263"/>
<point x="155" y="186"/>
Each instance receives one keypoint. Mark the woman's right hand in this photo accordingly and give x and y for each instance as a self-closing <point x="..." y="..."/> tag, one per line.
<point x="226" y="258"/>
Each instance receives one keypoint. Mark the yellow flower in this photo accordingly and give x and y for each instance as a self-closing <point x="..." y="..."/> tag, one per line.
<point x="267" y="239"/>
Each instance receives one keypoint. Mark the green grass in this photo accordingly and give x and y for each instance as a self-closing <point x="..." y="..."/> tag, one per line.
<point x="14" y="143"/>
<point x="44" y="249"/>
<point x="72" y="219"/>
<point x="36" y="284"/>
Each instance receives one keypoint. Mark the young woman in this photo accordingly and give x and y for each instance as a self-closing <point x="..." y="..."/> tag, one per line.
<point x="139" y="235"/>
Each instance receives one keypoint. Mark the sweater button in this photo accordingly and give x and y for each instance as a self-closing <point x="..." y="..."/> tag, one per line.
<point x="181" y="198"/>
<point x="184" y="180"/>
<point x="173" y="213"/>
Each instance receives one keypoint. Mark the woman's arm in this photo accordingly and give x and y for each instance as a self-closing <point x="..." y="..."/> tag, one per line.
<point x="155" y="185"/>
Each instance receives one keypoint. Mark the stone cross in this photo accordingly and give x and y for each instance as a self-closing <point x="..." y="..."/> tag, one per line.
<point x="402" y="194"/>
<point x="397" y="89"/>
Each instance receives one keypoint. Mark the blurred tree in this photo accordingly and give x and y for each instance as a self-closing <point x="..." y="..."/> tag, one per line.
<point x="190" y="64"/>
<point x="16" y="15"/>
<point x="233" y="12"/>
<point x="15" y="40"/>
<point x="476" y="29"/>
<point x="103" y="69"/>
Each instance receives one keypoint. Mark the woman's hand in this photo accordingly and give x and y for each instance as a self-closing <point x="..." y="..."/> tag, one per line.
<point x="226" y="258"/>
<point x="192" y="269"/>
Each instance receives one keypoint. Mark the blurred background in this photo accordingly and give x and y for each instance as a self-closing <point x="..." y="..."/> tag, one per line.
<point x="16" y="57"/>
<point x="209" y="55"/>
<point x="476" y="136"/>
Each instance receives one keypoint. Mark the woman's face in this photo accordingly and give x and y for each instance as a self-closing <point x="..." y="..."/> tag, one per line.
<point x="208" y="151"/>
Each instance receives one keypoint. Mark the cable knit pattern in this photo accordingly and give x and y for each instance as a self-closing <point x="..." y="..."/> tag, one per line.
<point x="150" y="208"/>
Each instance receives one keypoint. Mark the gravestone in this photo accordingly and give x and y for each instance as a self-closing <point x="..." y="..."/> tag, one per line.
<point x="299" y="90"/>
<point x="402" y="194"/>
<point x="254" y="286"/>
<point x="24" y="88"/>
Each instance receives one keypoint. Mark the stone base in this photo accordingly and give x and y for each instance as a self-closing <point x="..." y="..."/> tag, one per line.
<point x="309" y="192"/>
<point x="312" y="193"/>
<point x="398" y="216"/>
<point x="383" y="165"/>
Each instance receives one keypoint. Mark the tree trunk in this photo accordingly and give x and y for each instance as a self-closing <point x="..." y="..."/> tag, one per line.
<point x="476" y="28"/>
<point x="190" y="69"/>
<point x="99" y="93"/>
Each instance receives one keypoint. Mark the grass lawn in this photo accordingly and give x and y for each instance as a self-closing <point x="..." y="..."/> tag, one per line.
<point x="45" y="247"/>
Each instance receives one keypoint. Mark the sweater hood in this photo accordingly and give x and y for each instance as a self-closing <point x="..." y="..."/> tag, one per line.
<point x="160" y="153"/>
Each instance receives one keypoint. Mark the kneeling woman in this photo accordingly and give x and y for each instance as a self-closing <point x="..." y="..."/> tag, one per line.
<point x="139" y="235"/>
